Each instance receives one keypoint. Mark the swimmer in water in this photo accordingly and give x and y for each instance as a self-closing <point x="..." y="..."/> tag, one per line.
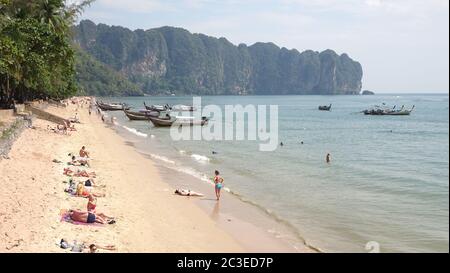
<point x="328" y="158"/>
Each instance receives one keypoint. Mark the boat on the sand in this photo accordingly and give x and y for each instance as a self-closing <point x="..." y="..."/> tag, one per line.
<point x="112" y="106"/>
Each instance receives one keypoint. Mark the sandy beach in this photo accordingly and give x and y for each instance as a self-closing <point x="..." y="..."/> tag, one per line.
<point x="150" y="218"/>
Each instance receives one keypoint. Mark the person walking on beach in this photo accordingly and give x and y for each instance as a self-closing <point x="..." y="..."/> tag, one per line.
<point x="328" y="158"/>
<point x="218" y="181"/>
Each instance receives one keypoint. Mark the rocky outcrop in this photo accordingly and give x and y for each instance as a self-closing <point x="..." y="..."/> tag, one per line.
<point x="173" y="59"/>
<point x="367" y="92"/>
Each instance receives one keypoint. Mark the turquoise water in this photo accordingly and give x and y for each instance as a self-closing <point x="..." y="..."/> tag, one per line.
<point x="387" y="182"/>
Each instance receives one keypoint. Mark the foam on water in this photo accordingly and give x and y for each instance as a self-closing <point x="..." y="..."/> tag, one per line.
<point x="162" y="158"/>
<point x="201" y="158"/>
<point x="134" y="131"/>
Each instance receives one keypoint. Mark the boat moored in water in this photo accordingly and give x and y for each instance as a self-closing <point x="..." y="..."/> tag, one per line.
<point x="162" y="121"/>
<point x="158" y="108"/>
<point x="384" y="111"/>
<point x="140" y="115"/>
<point x="168" y="121"/>
<point x="182" y="108"/>
<point x="325" y="107"/>
<point x="190" y="121"/>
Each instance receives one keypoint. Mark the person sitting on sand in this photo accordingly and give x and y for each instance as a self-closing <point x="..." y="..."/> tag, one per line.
<point x="92" y="203"/>
<point x="90" y="218"/>
<point x="187" y="193"/>
<point x="59" y="129"/>
<point x="83" y="191"/>
<point x="84" y="152"/>
<point x="67" y="127"/>
<point x="75" y="119"/>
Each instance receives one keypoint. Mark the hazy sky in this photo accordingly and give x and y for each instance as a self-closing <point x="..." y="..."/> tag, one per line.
<point x="403" y="45"/>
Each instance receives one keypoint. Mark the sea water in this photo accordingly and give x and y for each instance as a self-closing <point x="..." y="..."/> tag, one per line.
<point x="387" y="182"/>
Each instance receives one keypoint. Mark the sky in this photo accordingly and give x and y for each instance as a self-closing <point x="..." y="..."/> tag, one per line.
<point x="403" y="45"/>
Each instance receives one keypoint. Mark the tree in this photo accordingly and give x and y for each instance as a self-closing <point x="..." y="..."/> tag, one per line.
<point x="36" y="56"/>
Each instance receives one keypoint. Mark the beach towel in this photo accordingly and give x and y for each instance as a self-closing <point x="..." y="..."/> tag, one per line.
<point x="65" y="217"/>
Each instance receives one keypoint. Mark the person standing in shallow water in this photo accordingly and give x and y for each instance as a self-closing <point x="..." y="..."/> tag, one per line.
<point x="218" y="182"/>
<point x="328" y="158"/>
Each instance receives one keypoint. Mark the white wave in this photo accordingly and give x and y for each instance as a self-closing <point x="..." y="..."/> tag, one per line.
<point x="162" y="158"/>
<point x="200" y="158"/>
<point x="194" y="173"/>
<point x="152" y="136"/>
<point x="182" y="152"/>
<point x="134" y="131"/>
<point x="198" y="175"/>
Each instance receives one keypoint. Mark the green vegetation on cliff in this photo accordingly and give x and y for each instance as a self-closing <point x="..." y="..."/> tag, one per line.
<point x="169" y="59"/>
<point x="96" y="78"/>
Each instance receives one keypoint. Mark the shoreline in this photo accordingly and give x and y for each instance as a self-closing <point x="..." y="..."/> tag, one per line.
<point x="236" y="214"/>
<point x="150" y="218"/>
<point x="247" y="223"/>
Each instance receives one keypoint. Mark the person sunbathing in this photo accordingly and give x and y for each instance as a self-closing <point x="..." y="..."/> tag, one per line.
<point x="66" y="124"/>
<point x="59" y="129"/>
<point x="83" y="173"/>
<point x="78" y="162"/>
<point x="78" y="173"/>
<point x="92" y="205"/>
<point x="187" y="193"/>
<point x="94" y="247"/>
<point x="91" y="183"/>
<point x="68" y="172"/>
<point x="84" y="246"/>
<point x="83" y="191"/>
<point x="72" y="189"/>
<point x="90" y="218"/>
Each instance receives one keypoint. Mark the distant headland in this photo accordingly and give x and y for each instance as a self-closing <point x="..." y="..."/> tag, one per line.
<point x="114" y="60"/>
